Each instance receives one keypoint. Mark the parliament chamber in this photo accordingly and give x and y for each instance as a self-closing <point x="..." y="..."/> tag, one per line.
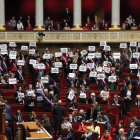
<point x="69" y="70"/>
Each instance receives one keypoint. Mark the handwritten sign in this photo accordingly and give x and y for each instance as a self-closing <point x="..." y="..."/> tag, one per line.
<point x="84" y="52"/>
<point x="93" y="74"/>
<point x="58" y="64"/>
<point x="20" y="63"/>
<point x="100" y="76"/>
<point x="12" y="44"/>
<point x="103" y="43"/>
<point x="54" y="70"/>
<point x="104" y="94"/>
<point x="45" y="79"/>
<point x="32" y="61"/>
<point x="107" y="48"/>
<point x="32" y="44"/>
<point x="82" y="68"/>
<point x="12" y="81"/>
<point x="133" y="44"/>
<point x="73" y="66"/>
<point x="46" y="56"/>
<point x="90" y="65"/>
<point x="133" y="66"/>
<point x="64" y="50"/>
<point x="112" y="79"/>
<point x="58" y="54"/>
<point x="123" y="45"/>
<point x="12" y="56"/>
<point x="91" y="48"/>
<point x="31" y="51"/>
<point x="24" y="48"/>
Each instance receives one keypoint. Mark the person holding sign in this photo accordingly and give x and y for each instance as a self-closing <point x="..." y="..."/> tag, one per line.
<point x="74" y="105"/>
<point x="83" y="95"/>
<point x="23" y="55"/>
<point x="103" y="119"/>
<point x="72" y="80"/>
<point x="18" y="97"/>
<point x="84" y="82"/>
<point x="102" y="82"/>
<point x="29" y="90"/>
<point x="113" y="85"/>
<point x="4" y="64"/>
<point x="105" y="94"/>
<point x="30" y="104"/>
<point x="128" y="96"/>
<point x="117" y="101"/>
<point x="20" y="75"/>
<point x="47" y="64"/>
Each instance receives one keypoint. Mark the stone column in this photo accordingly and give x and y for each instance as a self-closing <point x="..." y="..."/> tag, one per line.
<point x="39" y="20"/>
<point x="2" y="15"/>
<point x="77" y="18"/>
<point x="115" y="18"/>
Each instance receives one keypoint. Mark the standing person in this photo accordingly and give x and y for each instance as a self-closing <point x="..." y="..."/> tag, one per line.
<point x="8" y="111"/>
<point x="58" y="112"/>
<point x="67" y="15"/>
<point x="8" y="132"/>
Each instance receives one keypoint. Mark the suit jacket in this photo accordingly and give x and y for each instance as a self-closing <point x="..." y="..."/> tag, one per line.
<point x="54" y="100"/>
<point x="67" y="15"/>
<point x="56" y="28"/>
<point x="72" y="82"/>
<point x="45" y="102"/>
<point x="97" y="99"/>
<point x="102" y="26"/>
<point x="82" y="82"/>
<point x="125" y="93"/>
<point x="94" y="115"/>
<point x="138" y="83"/>
<point x="137" y="123"/>
<point x="135" y="133"/>
<point x="8" y="112"/>
<point x="132" y="82"/>
<point x="18" y="77"/>
<point x="74" y="90"/>
<point x="15" y="118"/>
<point x="69" y="137"/>
<point x="118" y="137"/>
<point x="8" y="133"/>
<point x="123" y="90"/>
<point x="136" y="103"/>
<point x="101" y="84"/>
<point x="119" y="102"/>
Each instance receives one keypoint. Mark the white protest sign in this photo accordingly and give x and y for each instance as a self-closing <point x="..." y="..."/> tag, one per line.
<point x="98" y="55"/>
<point x="39" y="90"/>
<point x="93" y="74"/>
<point x="32" y="61"/>
<point x="32" y="103"/>
<point x="136" y="55"/>
<point x="100" y="76"/>
<point x="58" y="64"/>
<point x="12" y="56"/>
<point x="64" y="50"/>
<point x="21" y="95"/>
<point x="116" y="55"/>
<point x="30" y="93"/>
<point x="105" y="63"/>
<point x="45" y="79"/>
<point x="112" y="79"/>
<point x="82" y="68"/>
<point x="3" y="46"/>
<point x="4" y="52"/>
<point x="12" y="81"/>
<point x="41" y="66"/>
<point x="35" y="66"/>
<point x="133" y="66"/>
<point x="99" y="69"/>
<point x="90" y="65"/>
<point x="123" y="45"/>
<point x="32" y="44"/>
<point x="73" y="66"/>
<point x="103" y="43"/>
<point x="51" y="55"/>
<point x="20" y="63"/>
<point x="84" y="52"/>
<point x="133" y="44"/>
<point x="107" y="48"/>
<point x="107" y="70"/>
<point x="39" y="98"/>
<point x="70" y="54"/>
<point x="31" y="51"/>
<point x="24" y="48"/>
<point x="91" y="48"/>
<point x="71" y="74"/>
<point x="91" y="55"/>
<point x="12" y="44"/>
<point x="46" y="56"/>
<point x="82" y="95"/>
<point x="138" y="44"/>
<point x="54" y="70"/>
<point x="13" y="53"/>
<point x="104" y="94"/>
<point x="58" y="54"/>
<point x="71" y="96"/>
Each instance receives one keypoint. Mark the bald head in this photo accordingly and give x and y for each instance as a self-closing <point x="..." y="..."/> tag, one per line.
<point x="6" y="123"/>
<point x="33" y="96"/>
<point x="59" y="102"/>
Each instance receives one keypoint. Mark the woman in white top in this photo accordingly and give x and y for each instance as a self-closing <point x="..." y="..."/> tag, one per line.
<point x="20" y="25"/>
<point x="66" y="26"/>
<point x="128" y="95"/>
<point x="94" y="27"/>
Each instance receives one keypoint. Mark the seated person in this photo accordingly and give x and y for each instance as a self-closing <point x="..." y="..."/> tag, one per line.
<point x="106" y="135"/>
<point x="81" y="115"/>
<point x="17" y="117"/>
<point x="103" y="119"/>
<point x="95" y="127"/>
<point x="30" y="104"/>
<point x="44" y="116"/>
<point x="98" y="107"/>
<point x="88" y="135"/>
<point x="94" y="27"/>
<point x="118" y="127"/>
<point x="120" y="136"/>
<point x="74" y="105"/>
<point x="85" y="93"/>
<point x="20" y="25"/>
<point x="91" y="114"/>
<point x="84" y="82"/>
<point x="2" y="81"/>
<point x="92" y="99"/>
<point x="29" y="27"/>
<point x="66" y="27"/>
<point x="86" y="27"/>
<point x="117" y="101"/>
<point x="32" y="117"/>
<point x="137" y="101"/>
<point x="73" y="117"/>
<point x="82" y="127"/>
<point x="136" y="121"/>
<point x="46" y="124"/>
<point x="18" y="98"/>
<point x="69" y="136"/>
<point x="66" y="124"/>
<point x="72" y="80"/>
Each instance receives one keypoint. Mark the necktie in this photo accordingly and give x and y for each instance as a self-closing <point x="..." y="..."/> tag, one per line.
<point x="131" y="134"/>
<point x="19" y="118"/>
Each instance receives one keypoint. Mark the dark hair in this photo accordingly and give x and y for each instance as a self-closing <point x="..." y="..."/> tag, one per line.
<point x="71" y="130"/>
<point x="95" y="123"/>
<point x="73" y="100"/>
<point x="118" y="125"/>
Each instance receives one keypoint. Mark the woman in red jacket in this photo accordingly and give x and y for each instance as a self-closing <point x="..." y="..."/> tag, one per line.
<point x="86" y="27"/>
<point x="106" y="136"/>
<point x="83" y="127"/>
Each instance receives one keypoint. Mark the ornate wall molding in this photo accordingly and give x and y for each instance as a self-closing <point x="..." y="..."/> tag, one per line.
<point x="70" y="36"/>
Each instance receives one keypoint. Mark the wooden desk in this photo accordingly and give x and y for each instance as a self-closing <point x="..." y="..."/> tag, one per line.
<point x="27" y="131"/>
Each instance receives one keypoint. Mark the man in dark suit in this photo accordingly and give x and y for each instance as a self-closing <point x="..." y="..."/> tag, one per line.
<point x="117" y="101"/>
<point x="92" y="99"/>
<point x="20" y="75"/>
<point x="138" y="82"/>
<point x="102" y="84"/>
<point x="30" y="103"/>
<point x="67" y="15"/>
<point x="18" y="117"/>
<point x="8" y="132"/>
<point x="136" y="121"/>
<point x="8" y="111"/>
<point x="137" y="101"/>
<point x="132" y="82"/>
<point x="58" y="27"/>
<point x="70" y="135"/>
<point x="91" y="113"/>
<point x="102" y="25"/>
<point x="72" y="80"/>
<point x="120" y="136"/>
<point x="132" y="132"/>
<point x="59" y="113"/>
